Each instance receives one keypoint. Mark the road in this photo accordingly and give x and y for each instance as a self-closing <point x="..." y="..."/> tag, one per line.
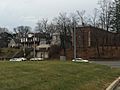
<point x="108" y="63"/>
<point x="115" y="64"/>
<point x="117" y="88"/>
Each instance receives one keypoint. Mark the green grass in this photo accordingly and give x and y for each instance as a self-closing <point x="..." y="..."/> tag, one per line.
<point x="54" y="75"/>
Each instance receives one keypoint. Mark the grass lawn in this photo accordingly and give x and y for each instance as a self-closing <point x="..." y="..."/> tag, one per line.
<point x="54" y="75"/>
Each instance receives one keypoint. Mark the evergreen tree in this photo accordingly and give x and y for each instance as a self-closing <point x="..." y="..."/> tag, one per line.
<point x="116" y="16"/>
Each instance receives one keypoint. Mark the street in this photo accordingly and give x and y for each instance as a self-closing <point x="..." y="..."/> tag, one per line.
<point x="108" y="63"/>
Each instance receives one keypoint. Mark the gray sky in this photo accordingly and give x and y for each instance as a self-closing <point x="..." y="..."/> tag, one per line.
<point x="27" y="12"/>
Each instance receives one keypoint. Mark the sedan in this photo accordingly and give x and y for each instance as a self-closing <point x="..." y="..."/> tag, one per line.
<point x="36" y="59"/>
<point x="80" y="60"/>
<point x="15" y="59"/>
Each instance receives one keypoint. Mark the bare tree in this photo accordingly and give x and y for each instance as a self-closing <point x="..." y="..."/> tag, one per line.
<point x="82" y="17"/>
<point x="42" y="26"/>
<point x="39" y="27"/>
<point x="94" y="19"/>
<point x="2" y="30"/>
<point x="45" y="24"/>
<point x="22" y="30"/>
<point x="52" y="28"/>
<point x="74" y="19"/>
<point x="63" y="23"/>
<point x="105" y="13"/>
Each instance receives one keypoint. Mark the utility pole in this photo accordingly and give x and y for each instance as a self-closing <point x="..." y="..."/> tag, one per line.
<point x="65" y="35"/>
<point x="74" y="36"/>
<point x="34" y="45"/>
<point x="24" y="44"/>
<point x="24" y="49"/>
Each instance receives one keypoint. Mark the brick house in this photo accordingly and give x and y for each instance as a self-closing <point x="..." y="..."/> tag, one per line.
<point x="91" y="36"/>
<point x="94" y="42"/>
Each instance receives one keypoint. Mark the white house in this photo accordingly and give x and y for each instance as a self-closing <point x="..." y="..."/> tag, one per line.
<point x="56" y="39"/>
<point x="42" y="51"/>
<point x="13" y="43"/>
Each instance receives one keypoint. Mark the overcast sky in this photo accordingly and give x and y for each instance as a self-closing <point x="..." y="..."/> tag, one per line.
<point x="27" y="12"/>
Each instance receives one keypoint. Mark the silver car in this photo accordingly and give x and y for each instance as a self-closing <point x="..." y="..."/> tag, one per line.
<point x="36" y="59"/>
<point x="15" y="59"/>
<point x="80" y="60"/>
<point x="23" y="59"/>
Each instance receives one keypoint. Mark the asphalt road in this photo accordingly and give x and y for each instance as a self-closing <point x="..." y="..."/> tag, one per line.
<point x="118" y="87"/>
<point x="114" y="64"/>
<point x="108" y="63"/>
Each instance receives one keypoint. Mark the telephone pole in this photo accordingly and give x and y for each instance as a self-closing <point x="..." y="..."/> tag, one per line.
<point x="34" y="45"/>
<point x="24" y="45"/>
<point x="74" y="37"/>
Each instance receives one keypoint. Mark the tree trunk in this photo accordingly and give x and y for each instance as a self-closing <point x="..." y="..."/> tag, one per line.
<point x="97" y="47"/>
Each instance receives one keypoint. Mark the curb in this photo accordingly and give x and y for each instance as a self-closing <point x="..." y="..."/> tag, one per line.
<point x="114" y="84"/>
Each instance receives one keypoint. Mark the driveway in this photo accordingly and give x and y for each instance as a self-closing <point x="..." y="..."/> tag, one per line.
<point x="108" y="63"/>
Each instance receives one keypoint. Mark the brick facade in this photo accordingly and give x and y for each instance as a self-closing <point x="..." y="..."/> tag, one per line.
<point x="91" y="37"/>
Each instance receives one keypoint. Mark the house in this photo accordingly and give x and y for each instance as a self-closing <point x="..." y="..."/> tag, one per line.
<point x="5" y="37"/>
<point x="39" y="41"/>
<point x="14" y="43"/>
<point x="42" y="51"/>
<point x="56" y="39"/>
<point x="91" y="36"/>
<point x="93" y="42"/>
<point x="35" y="38"/>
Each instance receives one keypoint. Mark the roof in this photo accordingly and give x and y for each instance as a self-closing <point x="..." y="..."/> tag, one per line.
<point x="40" y="35"/>
<point x="94" y="28"/>
<point x="16" y="40"/>
<point x="43" y="46"/>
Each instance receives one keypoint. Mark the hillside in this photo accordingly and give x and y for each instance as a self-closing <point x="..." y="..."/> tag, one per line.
<point x="8" y="52"/>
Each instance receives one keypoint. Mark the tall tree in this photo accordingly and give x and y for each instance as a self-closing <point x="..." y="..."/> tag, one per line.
<point x="42" y="26"/>
<point x="22" y="30"/>
<point x="116" y="16"/>
<point x="94" y="18"/>
<point x="2" y="30"/>
<point x="63" y="23"/>
<point x="52" y="28"/>
<point x="82" y="17"/>
<point x="105" y="13"/>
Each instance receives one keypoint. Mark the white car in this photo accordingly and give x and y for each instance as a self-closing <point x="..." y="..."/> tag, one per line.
<point x="36" y="59"/>
<point x="80" y="60"/>
<point x="23" y="59"/>
<point x="15" y="59"/>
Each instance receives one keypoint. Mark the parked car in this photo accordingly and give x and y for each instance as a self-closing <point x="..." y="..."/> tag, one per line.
<point x="15" y="59"/>
<point x="23" y="59"/>
<point x="80" y="60"/>
<point x="18" y="59"/>
<point x="36" y="59"/>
